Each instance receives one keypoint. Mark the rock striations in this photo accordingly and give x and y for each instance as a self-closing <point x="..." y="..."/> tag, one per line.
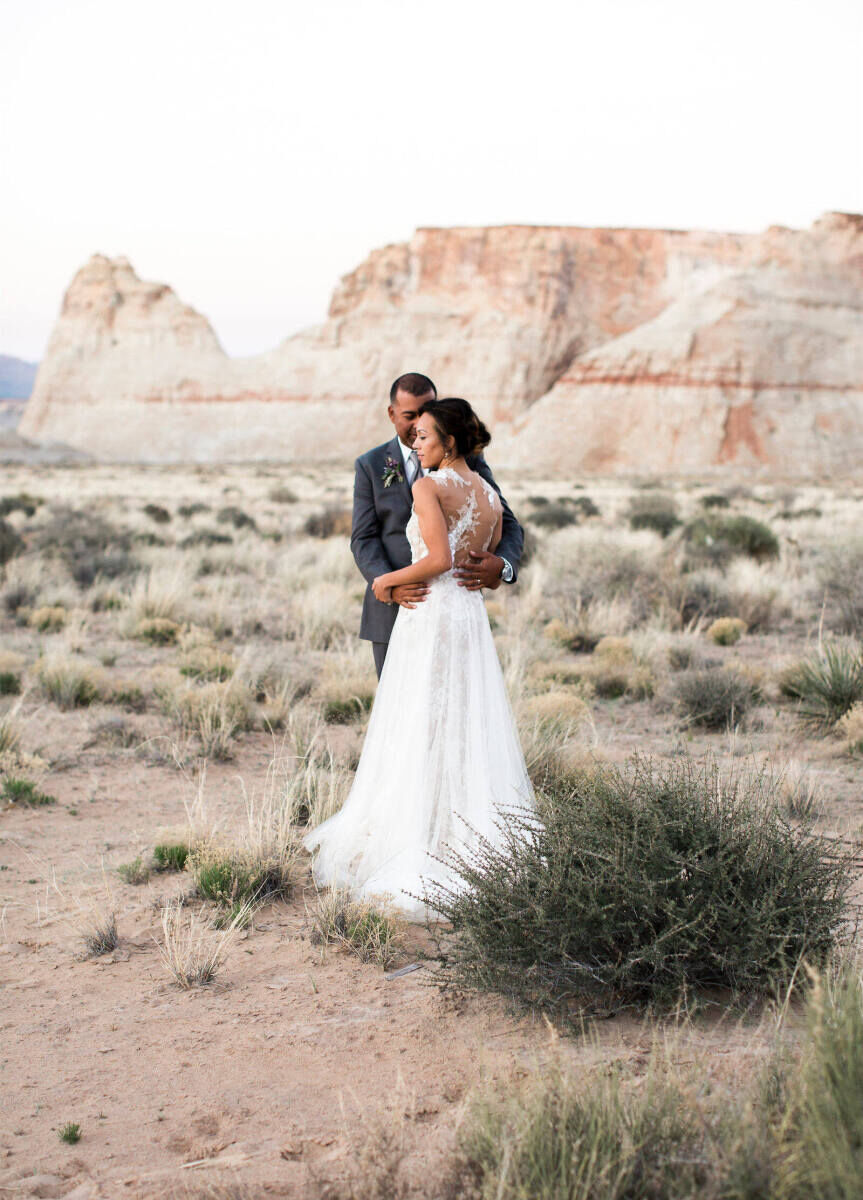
<point x="608" y="350"/>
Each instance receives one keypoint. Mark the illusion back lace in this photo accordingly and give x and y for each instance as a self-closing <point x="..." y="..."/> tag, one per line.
<point x="472" y="508"/>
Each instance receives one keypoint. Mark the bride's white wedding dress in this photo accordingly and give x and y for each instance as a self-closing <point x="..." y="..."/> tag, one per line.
<point x="441" y="761"/>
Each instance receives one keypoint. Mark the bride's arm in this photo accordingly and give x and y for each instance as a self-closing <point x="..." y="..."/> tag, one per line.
<point x="434" y="533"/>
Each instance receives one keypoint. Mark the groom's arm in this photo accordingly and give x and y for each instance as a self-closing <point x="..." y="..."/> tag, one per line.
<point x="367" y="545"/>
<point x="511" y="541"/>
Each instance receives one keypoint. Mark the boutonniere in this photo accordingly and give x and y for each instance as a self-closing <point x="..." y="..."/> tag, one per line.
<point x="392" y="472"/>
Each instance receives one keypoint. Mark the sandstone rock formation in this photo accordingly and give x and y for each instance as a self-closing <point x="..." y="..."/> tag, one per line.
<point x="587" y="349"/>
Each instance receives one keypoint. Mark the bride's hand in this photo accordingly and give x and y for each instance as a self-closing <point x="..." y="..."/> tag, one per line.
<point x="382" y="590"/>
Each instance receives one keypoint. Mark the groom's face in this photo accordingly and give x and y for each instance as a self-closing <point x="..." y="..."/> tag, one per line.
<point x="403" y="414"/>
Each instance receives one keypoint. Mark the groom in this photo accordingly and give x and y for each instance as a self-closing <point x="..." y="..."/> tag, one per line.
<point x="382" y="505"/>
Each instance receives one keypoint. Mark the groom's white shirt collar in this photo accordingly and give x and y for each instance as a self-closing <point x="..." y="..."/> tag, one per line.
<point x="406" y="453"/>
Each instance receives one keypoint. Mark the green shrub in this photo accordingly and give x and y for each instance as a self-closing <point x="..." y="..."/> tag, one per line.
<point x="206" y="537"/>
<point x="10" y="684"/>
<point x="715" y="500"/>
<point x="639" y="883"/>
<point x="157" y="513"/>
<point x="713" y="698"/>
<point x="718" y="538"/>
<point x="10" y="543"/>
<point x="24" y="791"/>
<point x="342" y="712"/>
<point x="135" y="872"/>
<point x="233" y="878"/>
<point x="68" y="682"/>
<point x="828" y="684"/>
<point x="70" y="1133"/>
<point x="192" y="510"/>
<point x="231" y="515"/>
<point x="158" y="631"/>
<point x="90" y="546"/>
<point x="726" y="631"/>
<point x="170" y="856"/>
<point x="653" y="510"/>
<point x="23" y="502"/>
<point x="368" y="932"/>
<point x="555" y="515"/>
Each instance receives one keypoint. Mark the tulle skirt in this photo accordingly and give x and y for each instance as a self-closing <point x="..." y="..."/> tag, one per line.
<point x="441" y="764"/>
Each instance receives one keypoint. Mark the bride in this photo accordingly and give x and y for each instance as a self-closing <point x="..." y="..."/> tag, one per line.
<point x="441" y="764"/>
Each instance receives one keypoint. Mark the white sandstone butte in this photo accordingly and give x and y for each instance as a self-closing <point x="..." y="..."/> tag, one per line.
<point x="607" y="350"/>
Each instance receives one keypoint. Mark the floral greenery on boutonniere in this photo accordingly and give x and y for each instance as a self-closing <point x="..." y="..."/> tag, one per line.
<point x="392" y="472"/>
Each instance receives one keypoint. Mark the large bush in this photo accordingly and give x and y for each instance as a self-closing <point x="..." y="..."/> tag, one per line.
<point x="638" y="883"/>
<point x="90" y="546"/>
<point x="717" y="538"/>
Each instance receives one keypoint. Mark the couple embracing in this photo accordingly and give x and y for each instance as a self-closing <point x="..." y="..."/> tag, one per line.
<point x="441" y="764"/>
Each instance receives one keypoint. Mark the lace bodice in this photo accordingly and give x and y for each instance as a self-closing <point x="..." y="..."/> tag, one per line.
<point x="471" y="507"/>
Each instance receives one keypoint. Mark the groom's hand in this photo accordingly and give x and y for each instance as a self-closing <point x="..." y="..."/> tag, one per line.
<point x="409" y="595"/>
<point x="482" y="572"/>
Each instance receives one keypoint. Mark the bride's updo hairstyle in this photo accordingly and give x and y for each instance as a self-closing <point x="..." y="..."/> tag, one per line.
<point x="454" y="418"/>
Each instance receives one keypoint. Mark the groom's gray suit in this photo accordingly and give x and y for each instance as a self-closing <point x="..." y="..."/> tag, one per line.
<point x="378" y="540"/>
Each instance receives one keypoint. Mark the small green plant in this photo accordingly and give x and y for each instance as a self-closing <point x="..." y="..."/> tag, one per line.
<point x="827" y="684"/>
<point x="231" y="515"/>
<point x="368" y="932"/>
<point x="24" y="791"/>
<point x="70" y="1133"/>
<point x="342" y="712"/>
<point x="229" y="876"/>
<point x="170" y="856"/>
<point x="726" y="631"/>
<point x="282" y="494"/>
<point x="713" y="698"/>
<point x="10" y="684"/>
<point x="135" y="872"/>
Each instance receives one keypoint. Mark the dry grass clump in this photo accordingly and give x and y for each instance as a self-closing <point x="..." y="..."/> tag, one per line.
<point x="714" y="698"/>
<point x="99" y="933"/>
<point x="191" y="950"/>
<point x="157" y="595"/>
<point x="69" y="682"/>
<point x="369" y="931"/>
<point x="214" y="713"/>
<point x="48" y="619"/>
<point x="208" y="663"/>
<point x="726" y="631"/>
<point x="643" y="883"/>
<point x="850" y="728"/>
<point x="135" y="872"/>
<point x="158" y="631"/>
<point x="839" y="572"/>
<point x="10" y="732"/>
<point x="653" y="510"/>
<point x="88" y="545"/>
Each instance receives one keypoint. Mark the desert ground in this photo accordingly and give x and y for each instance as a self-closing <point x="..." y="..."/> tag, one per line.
<point x="180" y="655"/>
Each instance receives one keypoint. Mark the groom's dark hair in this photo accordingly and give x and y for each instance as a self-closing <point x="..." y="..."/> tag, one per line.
<point x="413" y="384"/>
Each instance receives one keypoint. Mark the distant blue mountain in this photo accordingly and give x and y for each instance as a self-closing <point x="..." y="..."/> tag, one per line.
<point x="16" y="378"/>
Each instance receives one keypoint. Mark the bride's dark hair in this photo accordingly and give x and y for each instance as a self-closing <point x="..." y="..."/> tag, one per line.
<point x="455" y="418"/>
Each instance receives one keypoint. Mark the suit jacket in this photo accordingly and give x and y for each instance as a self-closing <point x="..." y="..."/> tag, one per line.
<point x="378" y="540"/>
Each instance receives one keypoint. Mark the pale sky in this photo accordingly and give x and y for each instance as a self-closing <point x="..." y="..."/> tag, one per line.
<point x="250" y="152"/>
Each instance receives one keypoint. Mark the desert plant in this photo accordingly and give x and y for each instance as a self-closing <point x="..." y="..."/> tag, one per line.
<point x="840" y="574"/>
<point x="850" y="727"/>
<point x="726" y="631"/>
<point x="368" y="931"/>
<point x="823" y="1144"/>
<point x="23" y="502"/>
<point x="638" y="883"/>
<point x="135" y="872"/>
<point x="282" y="494"/>
<point x="10" y="732"/>
<point x="205" y="537"/>
<point x="190" y="950"/>
<point x="332" y="522"/>
<point x="231" y="515"/>
<point x="554" y="515"/>
<point x="48" y="618"/>
<point x="215" y="713"/>
<point x="192" y="510"/>
<point x="68" y="682"/>
<point x="158" y="595"/>
<point x="714" y="698"/>
<point x="827" y="684"/>
<point x="343" y="711"/>
<point x="158" y="631"/>
<point x="24" y="791"/>
<point x="715" y="500"/>
<point x="99" y="933"/>
<point x="10" y="683"/>
<point x="157" y="513"/>
<point x="70" y="1133"/>
<point x="653" y="510"/>
<point x="718" y="538"/>
<point x="88" y="545"/>
<point x="170" y="856"/>
<point x="10" y="542"/>
<point x="208" y="663"/>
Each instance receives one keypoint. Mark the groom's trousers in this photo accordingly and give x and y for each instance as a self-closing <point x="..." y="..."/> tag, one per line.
<point x="379" y="650"/>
